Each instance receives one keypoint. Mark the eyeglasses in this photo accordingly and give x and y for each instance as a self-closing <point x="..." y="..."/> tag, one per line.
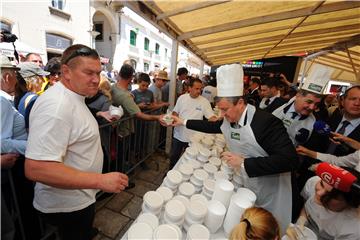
<point x="83" y="52"/>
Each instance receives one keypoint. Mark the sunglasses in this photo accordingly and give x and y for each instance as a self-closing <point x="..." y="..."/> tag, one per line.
<point x="81" y="52"/>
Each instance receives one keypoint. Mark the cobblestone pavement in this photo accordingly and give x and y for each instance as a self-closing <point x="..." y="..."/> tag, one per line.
<point x="116" y="213"/>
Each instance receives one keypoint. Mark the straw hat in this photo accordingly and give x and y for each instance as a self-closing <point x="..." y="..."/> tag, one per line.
<point x="162" y="75"/>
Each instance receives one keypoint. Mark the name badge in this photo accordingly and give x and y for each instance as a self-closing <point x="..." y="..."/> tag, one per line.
<point x="235" y="136"/>
<point x="198" y="108"/>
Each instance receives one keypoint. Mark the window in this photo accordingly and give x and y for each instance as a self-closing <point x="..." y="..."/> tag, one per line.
<point x="166" y="52"/>
<point x="99" y="27"/>
<point x="133" y="37"/>
<point x="146" y="44"/>
<point x="133" y="63"/>
<point x="59" y="4"/>
<point x="157" y="48"/>
<point x="57" y="42"/>
<point x="146" y="67"/>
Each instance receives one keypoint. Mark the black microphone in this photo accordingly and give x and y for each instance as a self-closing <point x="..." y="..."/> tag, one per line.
<point x="322" y="128"/>
<point x="302" y="135"/>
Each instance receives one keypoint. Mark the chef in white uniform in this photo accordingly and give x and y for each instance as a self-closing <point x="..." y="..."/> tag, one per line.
<point x="259" y="145"/>
<point x="297" y="114"/>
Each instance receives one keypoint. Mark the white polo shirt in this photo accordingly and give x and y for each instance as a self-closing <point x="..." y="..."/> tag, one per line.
<point x="190" y="108"/>
<point x="62" y="129"/>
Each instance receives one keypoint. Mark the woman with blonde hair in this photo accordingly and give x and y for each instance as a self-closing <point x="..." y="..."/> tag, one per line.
<point x="256" y="223"/>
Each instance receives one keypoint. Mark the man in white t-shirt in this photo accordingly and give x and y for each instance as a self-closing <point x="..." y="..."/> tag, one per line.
<point x="64" y="155"/>
<point x="189" y="106"/>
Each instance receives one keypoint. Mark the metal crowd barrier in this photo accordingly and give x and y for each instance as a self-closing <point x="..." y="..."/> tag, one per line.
<point x="126" y="144"/>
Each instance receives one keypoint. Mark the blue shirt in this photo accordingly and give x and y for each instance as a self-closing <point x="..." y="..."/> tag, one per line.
<point x="13" y="133"/>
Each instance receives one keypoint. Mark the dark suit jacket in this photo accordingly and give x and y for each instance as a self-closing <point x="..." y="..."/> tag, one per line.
<point x="271" y="135"/>
<point x="343" y="149"/>
<point x="275" y="104"/>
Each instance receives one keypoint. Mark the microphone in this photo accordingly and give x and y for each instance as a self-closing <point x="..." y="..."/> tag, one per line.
<point x="302" y="135"/>
<point x="336" y="177"/>
<point x="322" y="128"/>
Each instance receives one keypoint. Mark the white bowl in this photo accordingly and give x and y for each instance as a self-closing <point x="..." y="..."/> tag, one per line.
<point x="148" y="218"/>
<point x="182" y="199"/>
<point x="204" y="152"/>
<point x="220" y="175"/>
<point x="199" y="197"/>
<point x="140" y="231"/>
<point x="192" y="152"/>
<point x="200" y="175"/>
<point x="165" y="192"/>
<point x="167" y="220"/>
<point x="166" y="231"/>
<point x="207" y="195"/>
<point x="209" y="185"/>
<point x="247" y="193"/>
<point x="186" y="189"/>
<point x="195" y="164"/>
<point x="186" y="169"/>
<point x="153" y="200"/>
<point x="210" y="169"/>
<point x="146" y="209"/>
<point x="198" y="231"/>
<point x="167" y="183"/>
<point x="196" y="211"/>
<point x="202" y="159"/>
<point x="174" y="177"/>
<point x="175" y="210"/>
<point x="195" y="182"/>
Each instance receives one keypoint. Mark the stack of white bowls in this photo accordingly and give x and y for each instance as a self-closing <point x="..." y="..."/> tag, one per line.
<point x="166" y="193"/>
<point x="238" y="205"/>
<point x="167" y="231"/>
<point x="152" y="203"/>
<point x="190" y="153"/>
<point x="199" y="197"/>
<point x="195" y="214"/>
<point x="198" y="178"/>
<point x="204" y="155"/>
<point x="216" y="151"/>
<point x="148" y="218"/>
<point x="198" y="231"/>
<point x="186" y="169"/>
<point x="210" y="169"/>
<point x="220" y="175"/>
<point x="228" y="170"/>
<point x="172" y="180"/>
<point x="207" y="141"/>
<point x="215" y="161"/>
<point x="220" y="141"/>
<point x="208" y="188"/>
<point x="223" y="191"/>
<point x="140" y="231"/>
<point x="248" y="194"/>
<point x="186" y="189"/>
<point x="174" y="212"/>
<point x="195" y="164"/>
<point x="215" y="215"/>
<point x="237" y="180"/>
<point x="183" y="199"/>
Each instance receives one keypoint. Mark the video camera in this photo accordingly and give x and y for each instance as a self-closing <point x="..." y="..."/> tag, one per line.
<point x="8" y="37"/>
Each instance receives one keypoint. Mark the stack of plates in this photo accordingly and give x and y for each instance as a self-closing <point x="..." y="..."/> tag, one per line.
<point x="174" y="212"/>
<point x="208" y="188"/>
<point x="198" y="178"/>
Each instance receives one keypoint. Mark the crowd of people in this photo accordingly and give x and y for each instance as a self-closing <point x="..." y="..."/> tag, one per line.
<point x="50" y="117"/>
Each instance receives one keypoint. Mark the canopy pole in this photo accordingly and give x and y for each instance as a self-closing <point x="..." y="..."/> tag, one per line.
<point x="352" y="63"/>
<point x="172" y="90"/>
<point x="201" y="74"/>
